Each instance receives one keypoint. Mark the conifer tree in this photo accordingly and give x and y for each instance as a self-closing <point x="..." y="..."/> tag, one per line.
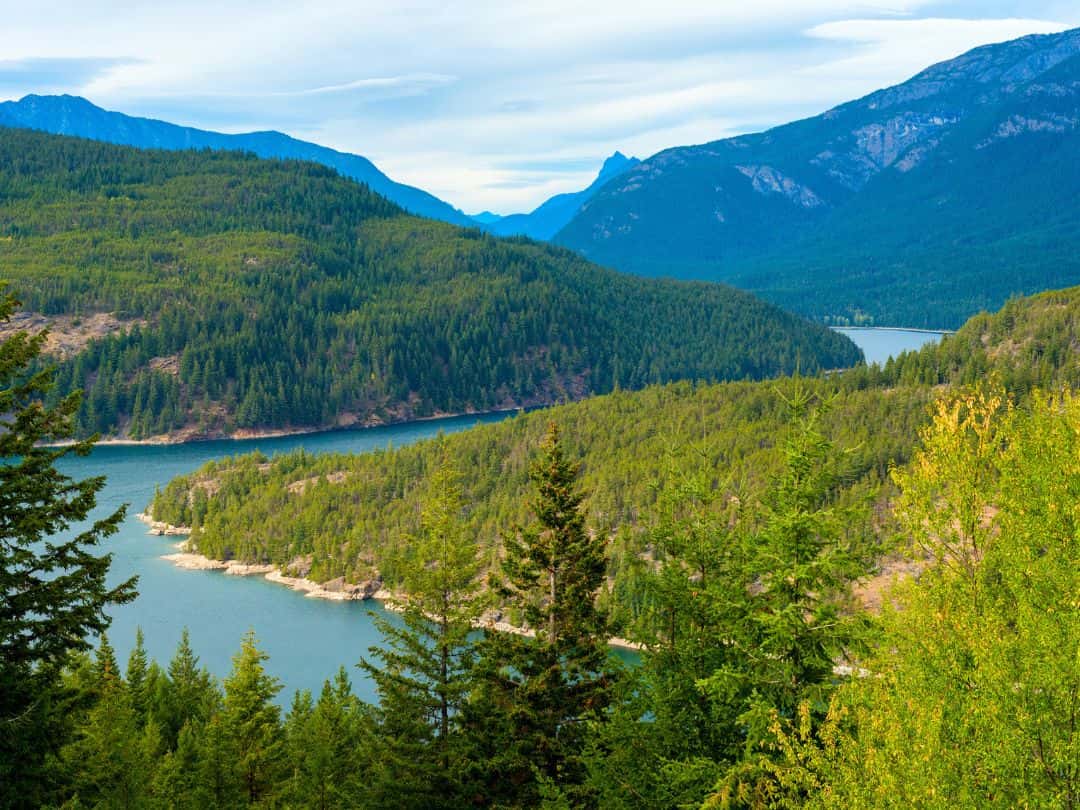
<point x="536" y="695"/>
<point x="112" y="758"/>
<point x="176" y="783"/>
<point x="137" y="677"/>
<point x="322" y="740"/>
<point x="189" y="695"/>
<point x="423" y="673"/>
<point x="787" y="621"/>
<point x="53" y="589"/>
<point x="252" y="721"/>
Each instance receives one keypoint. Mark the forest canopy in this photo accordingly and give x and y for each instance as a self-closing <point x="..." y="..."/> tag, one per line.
<point x="252" y="294"/>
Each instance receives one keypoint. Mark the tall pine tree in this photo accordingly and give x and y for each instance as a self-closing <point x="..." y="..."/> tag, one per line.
<point x="537" y="694"/>
<point x="53" y="589"/>
<point x="423" y="672"/>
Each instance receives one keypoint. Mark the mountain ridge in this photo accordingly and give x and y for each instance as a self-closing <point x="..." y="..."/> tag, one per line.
<point x="75" y="115"/>
<point x="817" y="214"/>
<point x="234" y="293"/>
<point x="548" y="218"/>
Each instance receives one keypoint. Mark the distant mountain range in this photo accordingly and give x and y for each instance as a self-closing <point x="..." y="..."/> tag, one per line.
<point x="72" y="115"/>
<point x="553" y="215"/>
<point x="917" y="205"/>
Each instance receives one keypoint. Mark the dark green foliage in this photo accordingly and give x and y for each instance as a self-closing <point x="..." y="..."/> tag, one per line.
<point x="423" y="669"/>
<point x="737" y="584"/>
<point x="188" y="696"/>
<point x="53" y="589"/>
<point x="536" y="695"/>
<point x="275" y="294"/>
<point x="350" y="513"/>
<point x="73" y="115"/>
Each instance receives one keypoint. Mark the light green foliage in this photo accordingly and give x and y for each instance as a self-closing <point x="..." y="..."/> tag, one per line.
<point x="750" y="612"/>
<point x="353" y="512"/>
<point x="973" y="694"/>
<point x="252" y="723"/>
<point x="324" y="747"/>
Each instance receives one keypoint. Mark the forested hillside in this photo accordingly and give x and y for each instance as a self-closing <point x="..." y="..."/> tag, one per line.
<point x="765" y="678"/>
<point x="328" y="516"/>
<point x="249" y="294"/>
<point x="918" y="205"/>
<point x="72" y="115"/>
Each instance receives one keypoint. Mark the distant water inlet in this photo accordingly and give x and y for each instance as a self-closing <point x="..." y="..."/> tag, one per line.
<point x="879" y="344"/>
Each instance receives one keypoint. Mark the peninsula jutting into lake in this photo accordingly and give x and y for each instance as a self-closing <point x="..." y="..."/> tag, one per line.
<point x="518" y="406"/>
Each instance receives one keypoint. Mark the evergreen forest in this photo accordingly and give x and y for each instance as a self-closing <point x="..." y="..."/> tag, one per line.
<point x="248" y="295"/>
<point x="767" y="677"/>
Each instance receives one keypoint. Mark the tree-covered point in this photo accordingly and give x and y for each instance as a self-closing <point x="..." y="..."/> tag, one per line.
<point x="343" y="515"/>
<point x="333" y="515"/>
<point x="961" y="693"/>
<point x="255" y="294"/>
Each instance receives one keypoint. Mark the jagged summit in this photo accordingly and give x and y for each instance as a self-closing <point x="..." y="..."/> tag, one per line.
<point x="910" y="205"/>
<point x="544" y="221"/>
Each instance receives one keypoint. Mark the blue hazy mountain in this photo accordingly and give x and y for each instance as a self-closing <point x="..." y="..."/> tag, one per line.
<point x="917" y="205"/>
<point x="550" y="217"/>
<point x="73" y="115"/>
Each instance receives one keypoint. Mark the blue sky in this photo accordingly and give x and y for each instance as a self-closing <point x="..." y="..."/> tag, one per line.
<point x="493" y="105"/>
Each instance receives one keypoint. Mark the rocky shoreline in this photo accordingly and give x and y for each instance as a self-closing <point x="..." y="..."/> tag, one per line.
<point x="189" y="436"/>
<point x="336" y="590"/>
<point x="184" y="557"/>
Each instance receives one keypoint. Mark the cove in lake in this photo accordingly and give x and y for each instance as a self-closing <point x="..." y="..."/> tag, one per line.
<point x="879" y="344"/>
<point x="307" y="639"/>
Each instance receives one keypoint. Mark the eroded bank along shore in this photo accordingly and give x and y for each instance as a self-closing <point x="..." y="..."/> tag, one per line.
<point x="337" y="590"/>
<point x="196" y="436"/>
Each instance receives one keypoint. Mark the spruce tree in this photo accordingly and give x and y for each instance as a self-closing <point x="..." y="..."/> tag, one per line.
<point x="423" y="671"/>
<point x="112" y="758"/>
<point x="537" y="694"/>
<point x="189" y="695"/>
<point x="322" y="739"/>
<point x="53" y="589"/>
<point x="137" y="677"/>
<point x="252" y="721"/>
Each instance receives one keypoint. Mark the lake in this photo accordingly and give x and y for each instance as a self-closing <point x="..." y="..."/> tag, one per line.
<point x="307" y="639"/>
<point x="880" y="344"/>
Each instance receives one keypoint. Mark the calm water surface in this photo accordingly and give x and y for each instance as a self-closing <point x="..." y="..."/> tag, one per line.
<point x="307" y="639"/>
<point x="880" y="344"/>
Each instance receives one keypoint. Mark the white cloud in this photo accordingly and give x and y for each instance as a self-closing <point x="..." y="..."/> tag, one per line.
<point x="888" y="49"/>
<point x="452" y="97"/>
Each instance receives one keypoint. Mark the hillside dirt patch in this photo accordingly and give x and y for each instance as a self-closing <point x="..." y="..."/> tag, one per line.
<point x="68" y="334"/>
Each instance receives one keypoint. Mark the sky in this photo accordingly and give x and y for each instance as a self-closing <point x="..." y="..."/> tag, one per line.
<point x="493" y="105"/>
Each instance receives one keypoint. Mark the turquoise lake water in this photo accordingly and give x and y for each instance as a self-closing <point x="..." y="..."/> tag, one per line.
<point x="880" y="344"/>
<point x="307" y="639"/>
